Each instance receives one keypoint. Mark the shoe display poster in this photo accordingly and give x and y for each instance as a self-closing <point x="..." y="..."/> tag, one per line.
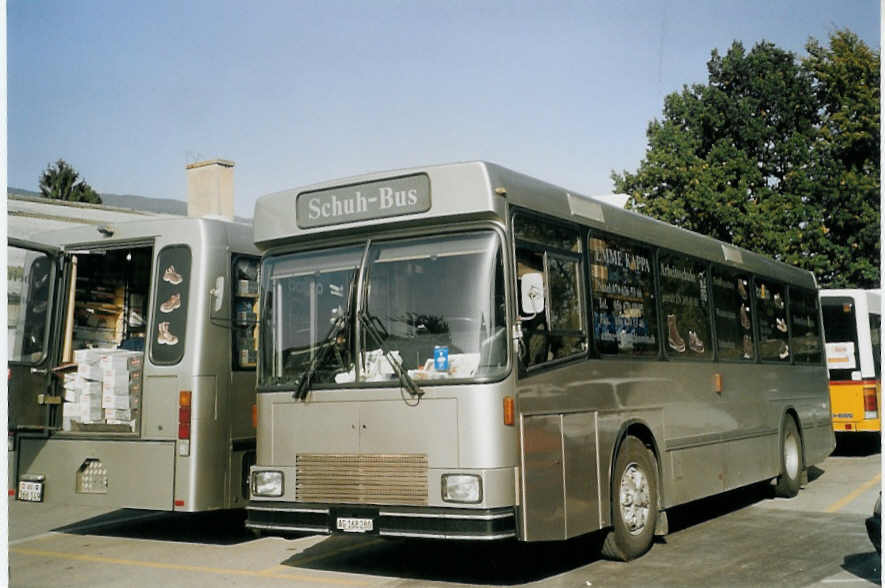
<point x="732" y="311"/>
<point x="804" y="331"/>
<point x="685" y="303"/>
<point x="624" y="317"/>
<point x="773" y="330"/>
<point x="170" y="306"/>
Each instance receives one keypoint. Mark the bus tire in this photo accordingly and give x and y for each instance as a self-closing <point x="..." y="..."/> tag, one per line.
<point x="790" y="478"/>
<point x="634" y="502"/>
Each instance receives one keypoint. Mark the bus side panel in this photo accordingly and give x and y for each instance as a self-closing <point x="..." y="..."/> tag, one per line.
<point x="581" y="473"/>
<point x="139" y="474"/>
<point x="543" y="487"/>
<point x="561" y="479"/>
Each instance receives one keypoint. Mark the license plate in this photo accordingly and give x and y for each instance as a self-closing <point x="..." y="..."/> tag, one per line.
<point x="30" y="491"/>
<point x="351" y="525"/>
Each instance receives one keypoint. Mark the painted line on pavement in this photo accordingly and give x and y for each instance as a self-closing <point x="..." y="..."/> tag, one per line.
<point x="182" y="567"/>
<point x="842" y="502"/>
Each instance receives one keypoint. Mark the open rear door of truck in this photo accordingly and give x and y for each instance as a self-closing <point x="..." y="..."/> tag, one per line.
<point x="35" y="325"/>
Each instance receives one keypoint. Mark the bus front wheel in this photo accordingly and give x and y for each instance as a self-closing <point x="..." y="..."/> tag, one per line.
<point x="634" y="502"/>
<point x="790" y="478"/>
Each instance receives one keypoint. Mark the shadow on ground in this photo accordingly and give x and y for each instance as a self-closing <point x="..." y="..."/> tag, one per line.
<point x="864" y="565"/>
<point x="500" y="563"/>
<point x="857" y="444"/>
<point x="226" y="527"/>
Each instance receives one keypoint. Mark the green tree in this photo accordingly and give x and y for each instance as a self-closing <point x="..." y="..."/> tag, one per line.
<point x="846" y="86"/>
<point x="758" y="157"/>
<point x="62" y="182"/>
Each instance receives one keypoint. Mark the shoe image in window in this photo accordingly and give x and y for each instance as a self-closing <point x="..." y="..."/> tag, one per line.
<point x="166" y="337"/>
<point x="781" y="325"/>
<point x="171" y="276"/>
<point x="674" y="340"/>
<point x="694" y="342"/>
<point x="778" y="302"/>
<point x="171" y="304"/>
<point x="742" y="288"/>
<point x="785" y="351"/>
<point x="745" y="318"/>
<point x="748" y="347"/>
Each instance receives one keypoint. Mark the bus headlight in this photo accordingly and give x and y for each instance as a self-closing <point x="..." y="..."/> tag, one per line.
<point x="267" y="483"/>
<point x="461" y="488"/>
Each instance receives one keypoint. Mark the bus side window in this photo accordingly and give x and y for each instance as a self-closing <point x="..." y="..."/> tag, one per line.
<point x="625" y="320"/>
<point x="771" y="306"/>
<point x="168" y="332"/>
<point x="732" y="311"/>
<point x="558" y="330"/>
<point x="685" y="302"/>
<point x="876" y="341"/>
<point x="804" y="327"/>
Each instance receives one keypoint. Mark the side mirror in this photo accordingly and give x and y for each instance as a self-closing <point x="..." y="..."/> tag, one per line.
<point x="218" y="294"/>
<point x="532" y="287"/>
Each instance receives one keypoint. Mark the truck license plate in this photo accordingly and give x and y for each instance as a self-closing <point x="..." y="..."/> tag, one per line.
<point x="351" y="525"/>
<point x="30" y="491"/>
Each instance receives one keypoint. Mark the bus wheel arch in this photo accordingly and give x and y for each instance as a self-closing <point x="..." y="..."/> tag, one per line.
<point x="635" y="483"/>
<point x="791" y="457"/>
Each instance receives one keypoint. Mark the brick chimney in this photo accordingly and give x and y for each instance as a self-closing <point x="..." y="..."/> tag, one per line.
<point x="210" y="188"/>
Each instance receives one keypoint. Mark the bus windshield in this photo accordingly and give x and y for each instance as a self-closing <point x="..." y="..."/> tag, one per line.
<point x="435" y="306"/>
<point x="840" y="326"/>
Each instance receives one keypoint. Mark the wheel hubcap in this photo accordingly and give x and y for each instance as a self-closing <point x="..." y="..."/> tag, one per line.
<point x="791" y="456"/>
<point x="634" y="496"/>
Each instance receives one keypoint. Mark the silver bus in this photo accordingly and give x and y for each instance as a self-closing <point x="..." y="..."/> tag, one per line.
<point x="132" y="353"/>
<point x="465" y="352"/>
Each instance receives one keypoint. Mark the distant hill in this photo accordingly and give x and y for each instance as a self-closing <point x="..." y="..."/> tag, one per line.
<point x="158" y="205"/>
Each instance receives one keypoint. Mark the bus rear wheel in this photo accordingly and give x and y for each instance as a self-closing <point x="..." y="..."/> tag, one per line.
<point x="634" y="502"/>
<point x="790" y="478"/>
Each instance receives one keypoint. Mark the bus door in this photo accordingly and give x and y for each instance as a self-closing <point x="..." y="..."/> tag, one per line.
<point x="33" y="277"/>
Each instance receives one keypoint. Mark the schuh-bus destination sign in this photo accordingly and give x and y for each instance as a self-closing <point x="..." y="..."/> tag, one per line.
<point x="380" y="199"/>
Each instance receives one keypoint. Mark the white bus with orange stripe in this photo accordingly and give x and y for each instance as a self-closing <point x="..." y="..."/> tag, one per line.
<point x="852" y="327"/>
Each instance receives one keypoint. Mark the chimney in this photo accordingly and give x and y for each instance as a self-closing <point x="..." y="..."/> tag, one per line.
<point x="210" y="188"/>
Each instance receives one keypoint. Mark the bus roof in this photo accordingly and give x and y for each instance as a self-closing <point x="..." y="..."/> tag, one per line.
<point x="872" y="297"/>
<point x="238" y="234"/>
<point x="478" y="190"/>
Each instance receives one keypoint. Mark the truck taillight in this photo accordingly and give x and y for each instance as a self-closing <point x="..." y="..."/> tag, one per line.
<point x="254" y="416"/>
<point x="184" y="423"/>
<point x="870" y="402"/>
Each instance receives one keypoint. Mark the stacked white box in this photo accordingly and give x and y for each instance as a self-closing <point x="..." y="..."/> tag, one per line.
<point x="102" y="383"/>
<point x="120" y="372"/>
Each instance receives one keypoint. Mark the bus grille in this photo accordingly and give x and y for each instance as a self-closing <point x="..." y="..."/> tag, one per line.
<point x="361" y="479"/>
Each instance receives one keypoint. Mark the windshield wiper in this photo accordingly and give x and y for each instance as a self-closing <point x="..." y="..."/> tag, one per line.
<point x="330" y="342"/>
<point x="405" y="379"/>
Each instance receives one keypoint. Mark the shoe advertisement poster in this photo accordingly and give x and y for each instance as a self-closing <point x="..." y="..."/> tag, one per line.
<point x="773" y="330"/>
<point x="624" y="315"/>
<point x="170" y="307"/>
<point x="732" y="312"/>
<point x="685" y="302"/>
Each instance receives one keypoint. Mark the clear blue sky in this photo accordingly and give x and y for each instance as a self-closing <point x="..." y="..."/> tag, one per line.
<point x="298" y="92"/>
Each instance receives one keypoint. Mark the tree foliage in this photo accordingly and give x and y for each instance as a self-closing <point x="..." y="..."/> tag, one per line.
<point x="60" y="181"/>
<point x="774" y="154"/>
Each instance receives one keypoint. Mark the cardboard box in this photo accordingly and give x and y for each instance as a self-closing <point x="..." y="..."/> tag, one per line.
<point x="91" y="412"/>
<point x="115" y="401"/>
<point x="114" y="363"/>
<point x="89" y="371"/>
<point x="118" y="414"/>
<point x="90" y="388"/>
<point x="115" y="386"/>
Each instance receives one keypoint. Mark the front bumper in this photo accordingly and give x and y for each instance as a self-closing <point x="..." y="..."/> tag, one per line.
<point x="388" y="521"/>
